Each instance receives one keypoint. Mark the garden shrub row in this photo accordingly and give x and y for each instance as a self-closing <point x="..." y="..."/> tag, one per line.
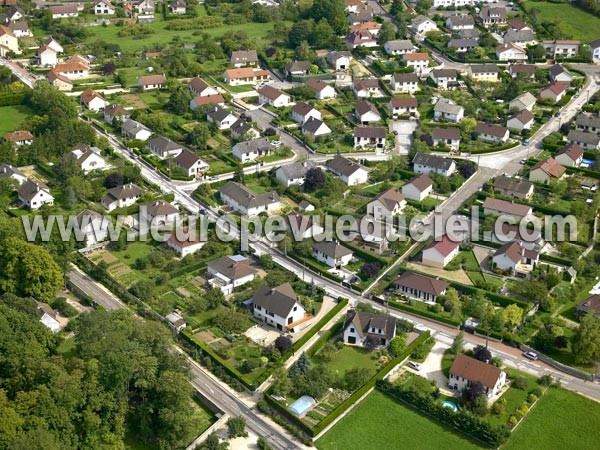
<point x="419" y="312"/>
<point x="320" y="324"/>
<point x="333" y="331"/>
<point x="341" y="408"/>
<point x="463" y="421"/>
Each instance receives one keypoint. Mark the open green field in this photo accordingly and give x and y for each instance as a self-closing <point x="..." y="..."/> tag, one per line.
<point x="12" y="117"/>
<point x="162" y="36"/>
<point x="561" y="419"/>
<point x="573" y="22"/>
<point x="380" y="422"/>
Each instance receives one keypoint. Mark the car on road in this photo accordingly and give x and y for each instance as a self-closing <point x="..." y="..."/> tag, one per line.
<point x="346" y="284"/>
<point x="276" y="143"/>
<point x="523" y="161"/>
<point x="213" y="178"/>
<point x="203" y="211"/>
<point x="531" y="355"/>
<point x="525" y="141"/>
<point x="557" y="114"/>
<point x="414" y="365"/>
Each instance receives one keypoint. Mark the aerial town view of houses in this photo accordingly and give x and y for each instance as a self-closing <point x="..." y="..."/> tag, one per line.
<point x="232" y="224"/>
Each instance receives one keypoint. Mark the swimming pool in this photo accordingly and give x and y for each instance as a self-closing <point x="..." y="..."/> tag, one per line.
<point x="449" y="404"/>
<point x="303" y="405"/>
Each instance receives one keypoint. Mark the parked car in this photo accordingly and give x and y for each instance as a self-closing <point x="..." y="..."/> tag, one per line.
<point x="523" y="161"/>
<point x="414" y="365"/>
<point x="531" y="355"/>
<point x="525" y="141"/>
<point x="276" y="143"/>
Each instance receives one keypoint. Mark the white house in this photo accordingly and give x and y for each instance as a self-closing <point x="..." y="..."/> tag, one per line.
<point x="423" y="25"/>
<point x="546" y="170"/>
<point x="585" y="139"/>
<point x="48" y="317"/>
<point x="103" y="7"/>
<point x="570" y="155"/>
<point x="418" y="61"/>
<point x="176" y="321"/>
<point x="115" y="111"/>
<point x="466" y="370"/>
<point x="230" y="271"/>
<point x="150" y="82"/>
<point x="274" y="97"/>
<point x="339" y="60"/>
<point x="369" y="137"/>
<point x="457" y="22"/>
<point x="386" y="204"/>
<point x="278" y="307"/>
<point x="366" y="112"/>
<point x="158" y="213"/>
<point x="220" y="117"/>
<point x="446" y="137"/>
<point x="561" y="48"/>
<point x="492" y="134"/>
<point x="446" y="110"/>
<point x="595" y="50"/>
<point x="405" y="82"/>
<point x="420" y="287"/>
<point x="348" y="171"/>
<point x="444" y="78"/>
<point x="121" y="196"/>
<point x="47" y="56"/>
<point x="93" y="227"/>
<point x="92" y="100"/>
<point x="201" y="88"/>
<point x="190" y="163"/>
<point x="19" y="137"/>
<point x="322" y="90"/>
<point x="512" y="257"/>
<point x="89" y="158"/>
<point x="315" y="128"/>
<point x="510" y="52"/>
<point x="9" y="172"/>
<point x="426" y="163"/>
<point x="418" y="188"/>
<point x="524" y="101"/>
<point x="399" y="47"/>
<point x="367" y="87"/>
<point x="251" y="150"/>
<point x="363" y="329"/>
<point x="402" y="106"/>
<point x="294" y="173"/>
<point x="241" y="58"/>
<point x="33" y="195"/>
<point x="135" y="130"/>
<point x="185" y="241"/>
<point x="64" y="11"/>
<point x="244" y="201"/>
<point x="246" y="75"/>
<point x="303" y="226"/>
<point x="331" y="253"/>
<point x="499" y="207"/>
<point x="523" y="120"/>
<point x="440" y="252"/>
<point x="559" y="73"/>
<point x="302" y="111"/>
<point x="164" y="147"/>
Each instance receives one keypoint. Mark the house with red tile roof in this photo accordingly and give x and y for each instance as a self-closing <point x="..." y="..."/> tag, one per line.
<point x="440" y="252"/>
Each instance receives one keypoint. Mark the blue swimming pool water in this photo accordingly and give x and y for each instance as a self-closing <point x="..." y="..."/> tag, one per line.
<point x="451" y="405"/>
<point x="303" y="405"/>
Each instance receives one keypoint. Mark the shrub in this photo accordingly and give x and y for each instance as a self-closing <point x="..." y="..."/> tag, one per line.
<point x="545" y="380"/>
<point x="512" y="421"/>
<point x="520" y="383"/>
<point x="498" y="409"/>
<point x="531" y="399"/>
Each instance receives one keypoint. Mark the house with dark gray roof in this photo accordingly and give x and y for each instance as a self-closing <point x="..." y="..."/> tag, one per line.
<point x="294" y="174"/>
<point x="135" y="130"/>
<point x="444" y="78"/>
<point x="513" y="187"/>
<point x="458" y="22"/>
<point x="251" y="150"/>
<point x="245" y="201"/>
<point x="241" y="58"/>
<point x="9" y="172"/>
<point x="279" y="307"/>
<point x="491" y="133"/>
<point x="221" y="117"/>
<point x="297" y="68"/>
<point x="588" y="122"/>
<point x="347" y="170"/>
<point x="242" y="128"/>
<point x="426" y="163"/>
<point x="164" y="147"/>
<point x="405" y="82"/>
<point x="462" y="44"/>
<point x="363" y="329"/>
<point x="121" y="196"/>
<point x="331" y="253"/>
<point x="190" y="163"/>
<point x="446" y="110"/>
<point x="315" y="128"/>
<point x="399" y="47"/>
<point x="420" y="287"/>
<point x="34" y="194"/>
<point x="586" y="140"/>
<point x="230" y="271"/>
<point x="559" y="73"/>
<point x="446" y="137"/>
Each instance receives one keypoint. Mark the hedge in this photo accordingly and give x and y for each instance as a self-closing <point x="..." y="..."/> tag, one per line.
<point x="315" y="268"/>
<point x="495" y="298"/>
<point x="555" y="259"/>
<point x="320" y="324"/>
<point x="333" y="331"/>
<point x="341" y="408"/>
<point x="207" y="350"/>
<point x="419" y="312"/>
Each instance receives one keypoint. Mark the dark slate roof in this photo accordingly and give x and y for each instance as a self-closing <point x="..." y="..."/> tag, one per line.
<point x="436" y="162"/>
<point x="279" y="300"/>
<point x="333" y="249"/>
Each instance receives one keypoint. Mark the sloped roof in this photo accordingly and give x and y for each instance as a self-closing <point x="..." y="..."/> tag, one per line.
<point x="279" y="300"/>
<point x="474" y="370"/>
<point x="428" y="160"/>
<point x="550" y="167"/>
<point x="512" y="184"/>
<point x="502" y="206"/>
<point x="421" y="283"/>
<point x="445" y="246"/>
<point x="232" y="267"/>
<point x="333" y="249"/>
<point x="343" y="166"/>
<point x="390" y="198"/>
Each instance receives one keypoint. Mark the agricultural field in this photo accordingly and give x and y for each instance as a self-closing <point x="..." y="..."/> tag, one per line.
<point x="380" y="421"/>
<point x="573" y="22"/>
<point x="12" y="117"/>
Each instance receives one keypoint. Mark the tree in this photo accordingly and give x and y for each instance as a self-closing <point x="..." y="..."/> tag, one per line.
<point x="300" y="367"/>
<point x="109" y="68"/>
<point x="212" y="443"/>
<point x="397" y="345"/>
<point x="482" y="353"/>
<point x="536" y="52"/>
<point x="386" y="33"/>
<point x="199" y="136"/>
<point x="283" y="343"/>
<point x="112" y="180"/>
<point x="396" y="8"/>
<point x="333" y="11"/>
<point x="322" y="35"/>
<point x="479" y="405"/>
<point x="474" y="391"/>
<point x="423" y="7"/>
<point x="512" y="315"/>
<point x="458" y="343"/>
<point x="370" y="269"/>
<point x="179" y="101"/>
<point x="355" y="378"/>
<point x="561" y="341"/>
<point x="466" y="168"/>
<point x="262" y="444"/>
<point x="520" y="383"/>
<point x="586" y="343"/>
<point x="28" y="270"/>
<point x="314" y="180"/>
<point x="304" y="52"/>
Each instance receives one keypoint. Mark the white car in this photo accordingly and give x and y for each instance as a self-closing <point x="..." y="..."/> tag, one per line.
<point x="531" y="355"/>
<point x="414" y="365"/>
<point x="276" y="143"/>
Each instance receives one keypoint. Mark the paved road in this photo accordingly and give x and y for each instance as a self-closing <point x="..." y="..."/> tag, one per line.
<point x="99" y="293"/>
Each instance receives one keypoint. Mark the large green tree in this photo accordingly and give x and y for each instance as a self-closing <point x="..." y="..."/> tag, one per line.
<point x="586" y="345"/>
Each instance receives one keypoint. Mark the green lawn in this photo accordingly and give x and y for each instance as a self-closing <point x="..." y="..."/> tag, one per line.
<point x="561" y="419"/>
<point x="352" y="357"/>
<point x="379" y="422"/>
<point x="573" y="22"/>
<point x="12" y="117"/>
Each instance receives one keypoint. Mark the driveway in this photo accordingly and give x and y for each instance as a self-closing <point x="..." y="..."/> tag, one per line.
<point x="456" y="275"/>
<point x="431" y="368"/>
<point x="404" y="130"/>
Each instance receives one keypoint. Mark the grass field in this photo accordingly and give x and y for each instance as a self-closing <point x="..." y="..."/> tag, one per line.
<point x="573" y="22"/>
<point x="12" y="117"/>
<point x="380" y="422"/>
<point x="561" y="419"/>
<point x="351" y="357"/>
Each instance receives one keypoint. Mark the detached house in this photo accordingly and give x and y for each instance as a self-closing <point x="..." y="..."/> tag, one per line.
<point x="401" y="106"/>
<point x="589" y="305"/>
<point x="47" y="56"/>
<point x="302" y="227"/>
<point x="444" y="78"/>
<point x="294" y="174"/>
<point x="546" y="170"/>
<point x="510" y="52"/>
<point x="561" y="48"/>
<point x="559" y="73"/>
<point x="571" y="155"/>
<point x="242" y="58"/>
<point x="48" y="317"/>
<point x="364" y="88"/>
<point x="117" y="112"/>
<point x="121" y="196"/>
<point x="93" y="226"/>
<point x="425" y="164"/>
<point x="521" y="38"/>
<point x="423" y="25"/>
<point x="245" y="75"/>
<point x="150" y="82"/>
<point x="196" y="102"/>
<point x="458" y="22"/>
<point x="189" y="162"/>
<point x="399" y="47"/>
<point x="322" y="90"/>
<point x="554" y="91"/>
<point x="9" y="172"/>
<point x="492" y="134"/>
<point x="492" y="16"/>
<point x="418" y="188"/>
<point x="588" y="122"/>
<point x="420" y="287"/>
<point x="497" y="207"/>
<point x="103" y="7"/>
<point x="274" y="97"/>
<point x="89" y="158"/>
<point x="315" y="128"/>
<point x="484" y="73"/>
<point x="466" y="370"/>
<point x="241" y="129"/>
<point x="339" y="60"/>
<point x="19" y="137"/>
<point x="221" y="117"/>
<point x="362" y="329"/>
<point x="386" y="204"/>
<point x="348" y="171"/>
<point x="405" y="82"/>
<point x="366" y="112"/>
<point x="297" y="68"/>
<point x="418" y="61"/>
<point x="185" y="242"/>
<point x="64" y="11"/>
<point x="517" y="69"/>
<point x="301" y="112"/>
<point x="246" y="202"/>
<point x="278" y="307"/>
<point x="92" y="100"/>
<point x="251" y="150"/>
<point x="360" y="38"/>
<point x="447" y="110"/>
<point x="34" y="195"/>
<point x="463" y="45"/>
<point x="135" y="130"/>
<point x="440" y="253"/>
<point x="331" y="253"/>
<point x="201" y="88"/>
<point x="587" y="141"/>
<point x="523" y="120"/>
<point x="524" y="101"/>
<point x="178" y="7"/>
<point x="164" y="147"/>
<point x="515" y="259"/>
<point x="229" y="272"/>
<point x="446" y="137"/>
<point x="595" y="49"/>
<point x="158" y="213"/>
<point x="373" y="137"/>
<point x="513" y="187"/>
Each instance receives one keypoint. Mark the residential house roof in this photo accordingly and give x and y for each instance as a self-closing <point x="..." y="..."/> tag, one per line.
<point x="407" y="102"/>
<point x="18" y="135"/>
<point x="198" y="84"/>
<point x="583" y="136"/>
<point x="343" y="166"/>
<point x="302" y="108"/>
<point x="217" y="113"/>
<point x="279" y="300"/>
<point x="245" y="72"/>
<point x="160" y="208"/>
<point x="6" y="171"/>
<point x="186" y="159"/>
<point x="416" y="56"/>
<point x="591" y="303"/>
<point x="247" y="198"/>
<point x="316" y="84"/>
<point x="125" y="191"/>
<point x="366" y="83"/>
<point x="422" y="283"/>
<point x="29" y="189"/>
<point x="517" y="24"/>
<point x="512" y="184"/>
<point x="491" y="129"/>
<point x="209" y="99"/>
<point x="509" y="46"/>
<point x="474" y="370"/>
<point x="445" y="246"/>
<point x="512" y="250"/>
<point x="493" y="12"/>
<point x="444" y="73"/>
<point x="447" y="106"/>
<point x="244" y="56"/>
<point x="446" y="133"/>
<point x="406" y="78"/>
<point x="550" y="167"/>
<point x="115" y="110"/>
<point x="163" y="144"/>
<point x="557" y="69"/>
<point x="527" y="99"/>
<point x="363" y="322"/>
<point x="365" y="106"/>
<point x="270" y="92"/>
<point x="512" y="36"/>
<point x="70" y="67"/>
<point x="312" y="125"/>
<point x="190" y="237"/>
<point x="461" y="20"/>
<point x="463" y="43"/>
<point x="572" y="150"/>
<point x="132" y="126"/>
<point x="400" y="44"/>
<point x="254" y="145"/>
<point x="147" y="80"/>
<point x="89" y="94"/>
<point x="502" y="206"/>
<point x="433" y="161"/>
<point x="524" y="116"/>
<point x="332" y="249"/>
<point x="298" y="66"/>
<point x="370" y="132"/>
<point x="588" y="121"/>
<point x="556" y="87"/>
<point x="522" y="68"/>
<point x="390" y="198"/>
<point x="484" y="68"/>
<point x="233" y="267"/>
